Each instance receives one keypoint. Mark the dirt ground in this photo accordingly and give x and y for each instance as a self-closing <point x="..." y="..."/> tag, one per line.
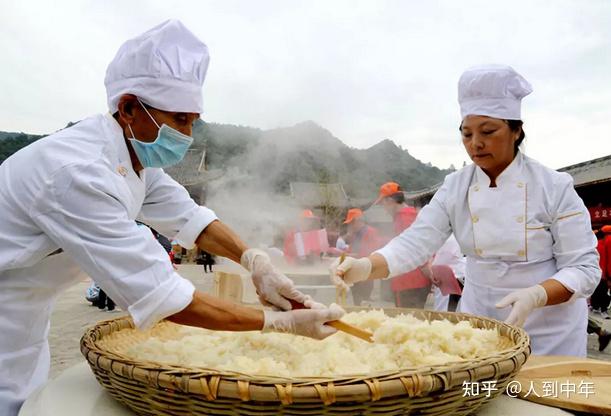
<point x="73" y="314"/>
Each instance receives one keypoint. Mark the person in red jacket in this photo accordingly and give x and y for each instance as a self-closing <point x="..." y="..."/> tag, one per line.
<point x="363" y="240"/>
<point x="606" y="266"/>
<point x="411" y="288"/>
<point x="600" y="298"/>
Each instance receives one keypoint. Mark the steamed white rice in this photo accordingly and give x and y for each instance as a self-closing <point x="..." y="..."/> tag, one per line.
<point x="400" y="342"/>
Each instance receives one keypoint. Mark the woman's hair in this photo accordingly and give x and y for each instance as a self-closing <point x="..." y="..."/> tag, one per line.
<point x="514" y="125"/>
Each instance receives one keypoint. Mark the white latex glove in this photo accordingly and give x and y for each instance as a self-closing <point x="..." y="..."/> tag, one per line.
<point x="349" y="272"/>
<point x="305" y="322"/>
<point x="524" y="301"/>
<point x="273" y="287"/>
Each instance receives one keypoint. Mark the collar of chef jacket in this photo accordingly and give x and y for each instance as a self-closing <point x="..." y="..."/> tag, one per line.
<point x="123" y="167"/>
<point x="500" y="208"/>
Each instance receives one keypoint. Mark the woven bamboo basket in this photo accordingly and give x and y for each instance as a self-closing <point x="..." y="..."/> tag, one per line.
<point x="151" y="388"/>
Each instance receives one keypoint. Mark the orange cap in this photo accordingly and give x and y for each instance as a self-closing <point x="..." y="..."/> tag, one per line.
<point x="307" y="213"/>
<point x="352" y="214"/>
<point x="388" y="189"/>
<point x="606" y="229"/>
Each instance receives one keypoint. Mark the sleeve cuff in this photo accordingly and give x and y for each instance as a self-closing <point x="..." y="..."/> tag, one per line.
<point x="576" y="282"/>
<point x="172" y="296"/>
<point x="187" y="236"/>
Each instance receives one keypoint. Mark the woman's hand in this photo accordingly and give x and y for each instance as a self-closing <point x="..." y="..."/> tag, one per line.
<point x="350" y="271"/>
<point x="523" y="302"/>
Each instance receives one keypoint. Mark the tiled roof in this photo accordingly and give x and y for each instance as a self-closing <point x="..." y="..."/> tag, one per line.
<point x="590" y="172"/>
<point x="584" y="173"/>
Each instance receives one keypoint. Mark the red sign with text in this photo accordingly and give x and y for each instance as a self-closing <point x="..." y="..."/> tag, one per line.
<point x="600" y="214"/>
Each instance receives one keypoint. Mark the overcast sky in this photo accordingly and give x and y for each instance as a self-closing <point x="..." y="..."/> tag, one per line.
<point x="365" y="70"/>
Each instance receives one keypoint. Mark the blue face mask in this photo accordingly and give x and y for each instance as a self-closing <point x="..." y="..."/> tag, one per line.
<point x="168" y="149"/>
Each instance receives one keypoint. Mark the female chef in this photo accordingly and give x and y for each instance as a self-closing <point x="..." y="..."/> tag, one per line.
<point x="531" y="254"/>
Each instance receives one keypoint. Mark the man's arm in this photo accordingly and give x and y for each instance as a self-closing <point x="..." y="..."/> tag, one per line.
<point x="218" y="314"/>
<point x="217" y="238"/>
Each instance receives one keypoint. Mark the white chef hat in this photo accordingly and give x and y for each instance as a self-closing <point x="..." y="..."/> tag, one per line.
<point x="165" y="67"/>
<point x="493" y="91"/>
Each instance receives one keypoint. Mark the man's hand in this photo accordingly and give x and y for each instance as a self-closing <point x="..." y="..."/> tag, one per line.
<point x="305" y="322"/>
<point x="524" y="301"/>
<point x="274" y="288"/>
<point x="349" y="272"/>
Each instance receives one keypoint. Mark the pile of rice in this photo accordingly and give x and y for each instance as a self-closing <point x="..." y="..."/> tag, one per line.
<point x="400" y="342"/>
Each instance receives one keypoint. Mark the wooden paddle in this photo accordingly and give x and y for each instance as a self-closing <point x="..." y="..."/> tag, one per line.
<point x="341" y="325"/>
<point x="591" y="379"/>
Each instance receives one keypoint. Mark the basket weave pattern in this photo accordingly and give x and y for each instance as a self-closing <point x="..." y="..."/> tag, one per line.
<point x="151" y="388"/>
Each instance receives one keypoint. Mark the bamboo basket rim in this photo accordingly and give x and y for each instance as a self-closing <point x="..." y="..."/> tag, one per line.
<point x="415" y="381"/>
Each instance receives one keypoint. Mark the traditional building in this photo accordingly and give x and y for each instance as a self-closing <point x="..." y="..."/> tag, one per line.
<point x="593" y="184"/>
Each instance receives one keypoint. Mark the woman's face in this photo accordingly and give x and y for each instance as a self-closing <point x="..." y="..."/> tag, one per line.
<point x="489" y="142"/>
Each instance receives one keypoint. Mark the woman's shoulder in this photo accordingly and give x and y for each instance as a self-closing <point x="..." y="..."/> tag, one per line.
<point x="462" y="175"/>
<point x="542" y="172"/>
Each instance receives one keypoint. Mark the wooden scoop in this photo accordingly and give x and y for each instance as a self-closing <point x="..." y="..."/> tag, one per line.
<point x="341" y="325"/>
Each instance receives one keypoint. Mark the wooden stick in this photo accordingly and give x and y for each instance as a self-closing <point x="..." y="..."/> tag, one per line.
<point x="352" y="330"/>
<point x="340" y="293"/>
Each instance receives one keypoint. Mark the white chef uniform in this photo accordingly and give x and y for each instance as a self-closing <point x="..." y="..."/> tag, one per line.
<point x="76" y="190"/>
<point x="529" y="228"/>
<point x="69" y="204"/>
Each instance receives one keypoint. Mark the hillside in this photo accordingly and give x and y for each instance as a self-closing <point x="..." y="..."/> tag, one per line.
<point x="307" y="152"/>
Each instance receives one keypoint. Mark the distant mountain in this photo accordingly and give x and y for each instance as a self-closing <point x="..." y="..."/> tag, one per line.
<point x="305" y="152"/>
<point x="9" y="135"/>
<point x="12" y="142"/>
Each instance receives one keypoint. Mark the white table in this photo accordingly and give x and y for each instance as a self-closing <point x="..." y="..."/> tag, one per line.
<point x="76" y="392"/>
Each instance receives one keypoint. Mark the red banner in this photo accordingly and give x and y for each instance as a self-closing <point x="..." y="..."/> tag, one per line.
<point x="311" y="242"/>
<point x="600" y="214"/>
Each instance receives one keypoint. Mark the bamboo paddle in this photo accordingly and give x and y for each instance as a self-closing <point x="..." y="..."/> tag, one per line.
<point x="341" y="325"/>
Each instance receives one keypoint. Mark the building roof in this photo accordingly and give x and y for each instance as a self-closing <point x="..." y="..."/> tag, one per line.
<point x="590" y="172"/>
<point x="423" y="192"/>
<point x="309" y="194"/>
<point x="584" y="173"/>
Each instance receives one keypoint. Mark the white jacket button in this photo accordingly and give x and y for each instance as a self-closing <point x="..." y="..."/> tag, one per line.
<point x="520" y="219"/>
<point x="520" y="184"/>
<point x="475" y="219"/>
